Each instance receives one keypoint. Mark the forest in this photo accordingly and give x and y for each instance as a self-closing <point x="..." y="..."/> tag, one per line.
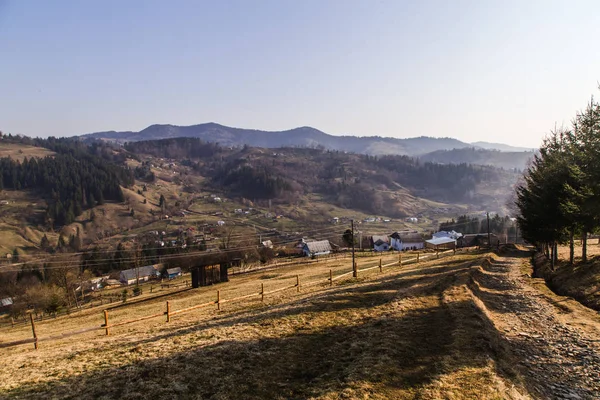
<point x="77" y="177"/>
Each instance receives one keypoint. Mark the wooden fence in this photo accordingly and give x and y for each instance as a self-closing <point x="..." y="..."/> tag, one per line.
<point x="169" y="313"/>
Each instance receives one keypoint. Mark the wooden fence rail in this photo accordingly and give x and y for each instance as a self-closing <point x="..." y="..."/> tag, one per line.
<point x="107" y="326"/>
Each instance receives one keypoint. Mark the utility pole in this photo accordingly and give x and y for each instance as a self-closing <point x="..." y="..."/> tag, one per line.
<point x="488" y="229"/>
<point x="354" y="272"/>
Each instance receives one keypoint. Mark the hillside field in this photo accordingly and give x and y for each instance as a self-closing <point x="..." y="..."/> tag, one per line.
<point x="455" y="328"/>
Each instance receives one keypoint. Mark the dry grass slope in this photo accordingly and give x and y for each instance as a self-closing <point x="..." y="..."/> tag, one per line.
<point x="417" y="331"/>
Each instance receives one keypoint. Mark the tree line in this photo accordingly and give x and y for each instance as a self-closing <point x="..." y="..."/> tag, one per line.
<point x="559" y="198"/>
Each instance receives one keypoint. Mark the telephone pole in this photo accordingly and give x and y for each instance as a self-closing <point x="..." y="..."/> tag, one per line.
<point x="354" y="272"/>
<point x="488" y="229"/>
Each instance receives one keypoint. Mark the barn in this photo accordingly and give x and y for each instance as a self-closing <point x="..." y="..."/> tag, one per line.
<point x="317" y="248"/>
<point x="441" y="243"/>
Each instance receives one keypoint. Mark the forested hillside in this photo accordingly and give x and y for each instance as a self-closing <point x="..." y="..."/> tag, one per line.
<point x="348" y="180"/>
<point x="495" y="158"/>
<point x="76" y="177"/>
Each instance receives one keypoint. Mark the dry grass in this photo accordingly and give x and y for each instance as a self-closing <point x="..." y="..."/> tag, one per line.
<point x="411" y="332"/>
<point x="19" y="151"/>
<point x="581" y="280"/>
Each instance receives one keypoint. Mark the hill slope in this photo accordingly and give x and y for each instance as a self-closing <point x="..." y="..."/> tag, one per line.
<point x="500" y="147"/>
<point x="297" y="137"/>
<point x="493" y="158"/>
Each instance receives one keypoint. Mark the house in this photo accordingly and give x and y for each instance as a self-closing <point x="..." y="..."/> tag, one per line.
<point x="316" y="248"/>
<point x="173" y="273"/>
<point x="130" y="276"/>
<point x="447" y="234"/>
<point x="406" y="240"/>
<point x="267" y="244"/>
<point x="380" y="242"/>
<point x="441" y="243"/>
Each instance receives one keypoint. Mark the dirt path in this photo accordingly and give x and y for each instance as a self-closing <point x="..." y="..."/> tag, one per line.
<point x="469" y="327"/>
<point x="556" y="339"/>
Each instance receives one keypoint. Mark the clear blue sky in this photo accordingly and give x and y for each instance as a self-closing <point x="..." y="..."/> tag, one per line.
<point x="504" y="71"/>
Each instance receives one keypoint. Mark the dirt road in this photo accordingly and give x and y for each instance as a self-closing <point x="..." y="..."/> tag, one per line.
<point x="467" y="327"/>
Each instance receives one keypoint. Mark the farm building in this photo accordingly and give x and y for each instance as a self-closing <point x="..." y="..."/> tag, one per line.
<point x="173" y="273"/>
<point x="406" y="241"/>
<point x="205" y="275"/>
<point x="131" y="276"/>
<point x="380" y="242"/>
<point x="317" y="248"/>
<point x="447" y="234"/>
<point x="441" y="243"/>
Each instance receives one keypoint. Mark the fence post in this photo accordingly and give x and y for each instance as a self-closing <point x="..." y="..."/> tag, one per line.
<point x="218" y="299"/>
<point x="330" y="278"/>
<point x="262" y="292"/>
<point x="297" y="283"/>
<point x="437" y="253"/>
<point x="168" y="311"/>
<point x="12" y="322"/>
<point x="356" y="268"/>
<point x="454" y="250"/>
<point x="380" y="266"/>
<point x="150" y="288"/>
<point x="35" y="343"/>
<point x="106" y="322"/>
<point x="400" y="259"/>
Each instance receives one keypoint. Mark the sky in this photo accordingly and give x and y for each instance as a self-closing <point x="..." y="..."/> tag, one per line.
<point x="496" y="71"/>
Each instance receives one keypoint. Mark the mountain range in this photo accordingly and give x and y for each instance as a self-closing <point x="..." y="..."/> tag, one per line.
<point x="311" y="137"/>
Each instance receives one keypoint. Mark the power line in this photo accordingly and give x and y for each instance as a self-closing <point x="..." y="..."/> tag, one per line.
<point x="76" y="263"/>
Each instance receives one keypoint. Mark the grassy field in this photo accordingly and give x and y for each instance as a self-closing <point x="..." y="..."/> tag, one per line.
<point x="409" y="332"/>
<point x="20" y="151"/>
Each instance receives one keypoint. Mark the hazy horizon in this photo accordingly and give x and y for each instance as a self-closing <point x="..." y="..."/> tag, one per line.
<point x="500" y="72"/>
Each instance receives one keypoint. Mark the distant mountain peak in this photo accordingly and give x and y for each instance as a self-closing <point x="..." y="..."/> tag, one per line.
<point x="303" y="136"/>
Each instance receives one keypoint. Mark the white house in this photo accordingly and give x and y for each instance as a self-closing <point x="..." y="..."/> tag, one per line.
<point x="317" y="248"/>
<point x="445" y="234"/>
<point x="380" y="242"/>
<point x="407" y="241"/>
